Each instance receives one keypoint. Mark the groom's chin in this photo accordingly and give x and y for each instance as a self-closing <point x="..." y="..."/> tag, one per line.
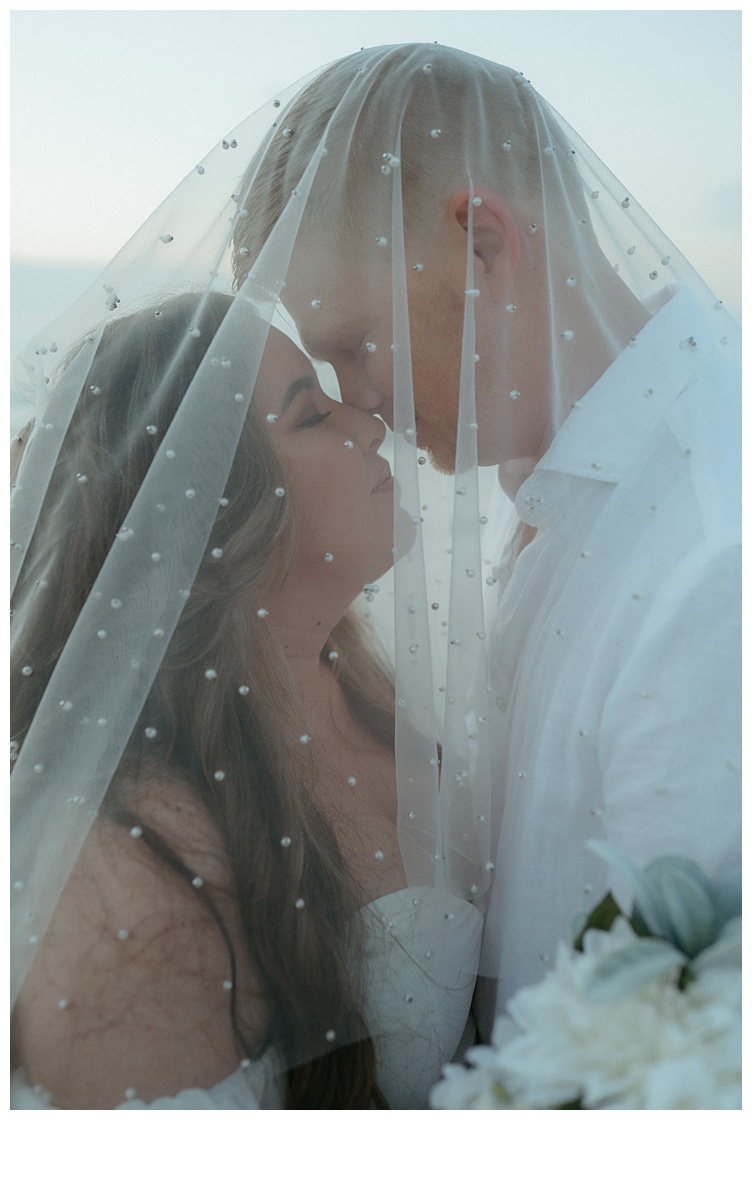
<point x="438" y="439"/>
<point x="441" y="453"/>
<point x="440" y="465"/>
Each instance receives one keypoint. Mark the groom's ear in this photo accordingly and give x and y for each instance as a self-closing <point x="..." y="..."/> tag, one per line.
<point x="496" y="242"/>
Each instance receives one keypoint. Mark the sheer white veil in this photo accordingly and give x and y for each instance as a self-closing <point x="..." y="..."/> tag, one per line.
<point x="470" y="268"/>
<point x="323" y="206"/>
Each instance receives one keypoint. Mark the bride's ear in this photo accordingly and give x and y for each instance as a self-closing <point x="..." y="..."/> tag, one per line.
<point x="496" y="242"/>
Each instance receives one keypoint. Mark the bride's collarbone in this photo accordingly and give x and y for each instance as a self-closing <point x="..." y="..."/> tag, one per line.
<point x="356" y="792"/>
<point x="361" y="777"/>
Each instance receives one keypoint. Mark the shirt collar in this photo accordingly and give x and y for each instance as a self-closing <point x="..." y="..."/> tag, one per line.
<point x="608" y="425"/>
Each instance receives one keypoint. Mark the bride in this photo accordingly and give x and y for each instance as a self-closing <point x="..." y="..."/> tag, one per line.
<point x="237" y="929"/>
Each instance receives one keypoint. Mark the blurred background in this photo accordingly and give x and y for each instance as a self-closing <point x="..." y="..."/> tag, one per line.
<point x="110" y="109"/>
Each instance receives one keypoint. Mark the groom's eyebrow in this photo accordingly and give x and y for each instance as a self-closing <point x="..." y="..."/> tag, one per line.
<point x="306" y="383"/>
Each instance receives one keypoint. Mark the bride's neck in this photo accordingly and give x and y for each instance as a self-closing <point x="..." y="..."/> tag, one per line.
<point x="302" y="647"/>
<point x="303" y="616"/>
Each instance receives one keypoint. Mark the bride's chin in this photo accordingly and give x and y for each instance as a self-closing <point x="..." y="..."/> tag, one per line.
<point x="405" y="533"/>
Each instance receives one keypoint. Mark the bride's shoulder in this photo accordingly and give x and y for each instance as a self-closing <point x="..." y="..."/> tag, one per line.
<point x="165" y="812"/>
<point x="152" y="838"/>
<point x="132" y="984"/>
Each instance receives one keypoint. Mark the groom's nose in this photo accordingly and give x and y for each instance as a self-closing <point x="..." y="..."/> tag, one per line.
<point x="357" y="390"/>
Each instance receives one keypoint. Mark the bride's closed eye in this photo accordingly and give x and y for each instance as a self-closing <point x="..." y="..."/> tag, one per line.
<point x="314" y="418"/>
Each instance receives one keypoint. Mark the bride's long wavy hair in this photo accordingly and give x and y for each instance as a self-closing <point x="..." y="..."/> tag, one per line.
<point x="304" y="958"/>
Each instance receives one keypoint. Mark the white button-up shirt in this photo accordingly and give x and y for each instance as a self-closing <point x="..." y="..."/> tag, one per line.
<point x="615" y="650"/>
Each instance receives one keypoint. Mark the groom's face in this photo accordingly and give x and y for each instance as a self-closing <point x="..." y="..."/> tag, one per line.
<point x="351" y="327"/>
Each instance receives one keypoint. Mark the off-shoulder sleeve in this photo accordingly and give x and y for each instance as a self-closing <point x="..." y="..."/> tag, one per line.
<point x="258" y="1085"/>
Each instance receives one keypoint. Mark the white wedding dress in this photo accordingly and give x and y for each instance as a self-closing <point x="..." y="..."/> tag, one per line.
<point x="421" y="954"/>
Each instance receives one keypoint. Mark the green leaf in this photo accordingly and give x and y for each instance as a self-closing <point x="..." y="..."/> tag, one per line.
<point x="601" y="917"/>
<point x="638" y="925"/>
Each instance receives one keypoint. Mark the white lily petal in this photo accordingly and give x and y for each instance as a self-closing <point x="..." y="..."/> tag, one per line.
<point x="726" y="897"/>
<point x="632" y="968"/>
<point x="725" y="953"/>
<point x="688" y="905"/>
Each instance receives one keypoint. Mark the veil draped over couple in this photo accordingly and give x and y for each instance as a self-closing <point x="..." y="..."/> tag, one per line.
<point x="375" y="547"/>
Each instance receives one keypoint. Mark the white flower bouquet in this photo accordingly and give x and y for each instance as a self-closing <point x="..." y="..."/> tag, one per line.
<point x="643" y="1012"/>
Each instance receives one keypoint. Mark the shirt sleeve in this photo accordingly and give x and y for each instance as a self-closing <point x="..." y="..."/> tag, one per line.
<point x="671" y="729"/>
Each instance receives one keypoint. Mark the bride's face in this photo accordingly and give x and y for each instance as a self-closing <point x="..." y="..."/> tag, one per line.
<point x="342" y="487"/>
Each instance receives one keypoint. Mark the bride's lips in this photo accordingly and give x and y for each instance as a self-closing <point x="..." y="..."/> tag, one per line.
<point x="385" y="482"/>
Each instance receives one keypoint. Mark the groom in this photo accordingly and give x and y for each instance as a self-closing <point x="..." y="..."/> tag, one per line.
<point x="614" y="651"/>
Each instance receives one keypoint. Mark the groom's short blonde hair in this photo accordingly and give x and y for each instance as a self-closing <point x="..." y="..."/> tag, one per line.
<point x="481" y="106"/>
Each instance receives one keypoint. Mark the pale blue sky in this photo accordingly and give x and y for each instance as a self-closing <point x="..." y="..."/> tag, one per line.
<point x="111" y="109"/>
